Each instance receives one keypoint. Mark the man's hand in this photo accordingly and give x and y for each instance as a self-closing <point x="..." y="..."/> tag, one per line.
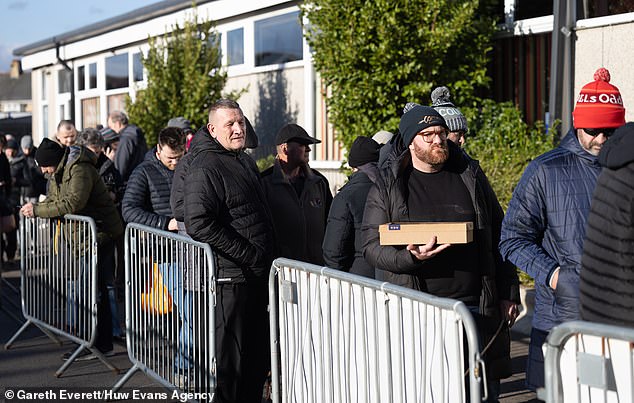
<point x="110" y="152"/>
<point x="553" y="280"/>
<point x="510" y="311"/>
<point x="27" y="210"/>
<point x="427" y="251"/>
<point x="172" y="225"/>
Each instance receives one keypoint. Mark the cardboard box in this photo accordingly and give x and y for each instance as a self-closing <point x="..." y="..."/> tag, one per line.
<point x="419" y="233"/>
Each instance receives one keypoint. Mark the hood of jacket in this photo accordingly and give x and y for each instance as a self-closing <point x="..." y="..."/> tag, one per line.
<point x="618" y="151"/>
<point x="203" y="141"/>
<point x="571" y="143"/>
<point x="74" y="155"/>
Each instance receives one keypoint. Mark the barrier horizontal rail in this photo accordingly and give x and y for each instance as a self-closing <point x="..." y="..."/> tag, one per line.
<point x="169" y="301"/>
<point x="588" y="362"/>
<point x="59" y="281"/>
<point x="347" y="338"/>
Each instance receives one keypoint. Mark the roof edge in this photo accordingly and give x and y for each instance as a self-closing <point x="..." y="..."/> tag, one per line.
<point x="111" y="24"/>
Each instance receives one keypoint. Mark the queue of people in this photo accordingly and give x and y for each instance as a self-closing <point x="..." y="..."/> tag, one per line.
<point x="419" y="174"/>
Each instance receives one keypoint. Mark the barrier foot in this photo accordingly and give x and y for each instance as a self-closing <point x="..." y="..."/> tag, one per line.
<point x="104" y="360"/>
<point x="69" y="361"/>
<point x="125" y="378"/>
<point x="17" y="334"/>
<point x="50" y="335"/>
<point x="93" y="350"/>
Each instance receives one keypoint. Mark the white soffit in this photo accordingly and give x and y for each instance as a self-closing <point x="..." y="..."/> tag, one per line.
<point x="136" y="33"/>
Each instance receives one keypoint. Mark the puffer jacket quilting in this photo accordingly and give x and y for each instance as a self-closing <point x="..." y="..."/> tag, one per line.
<point x="225" y="207"/>
<point x="607" y="273"/>
<point x="147" y="196"/>
<point x="544" y="227"/>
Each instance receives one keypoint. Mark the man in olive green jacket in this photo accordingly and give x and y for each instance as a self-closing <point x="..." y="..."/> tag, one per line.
<point x="75" y="187"/>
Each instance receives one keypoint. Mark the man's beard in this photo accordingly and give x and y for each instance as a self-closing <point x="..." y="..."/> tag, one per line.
<point x="437" y="154"/>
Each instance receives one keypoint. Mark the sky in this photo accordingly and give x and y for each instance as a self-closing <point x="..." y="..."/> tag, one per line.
<point x="23" y="22"/>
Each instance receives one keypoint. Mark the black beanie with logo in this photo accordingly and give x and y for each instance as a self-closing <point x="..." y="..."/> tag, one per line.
<point x="418" y="118"/>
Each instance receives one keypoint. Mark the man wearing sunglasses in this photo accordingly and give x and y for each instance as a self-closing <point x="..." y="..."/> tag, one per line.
<point x="544" y="227"/>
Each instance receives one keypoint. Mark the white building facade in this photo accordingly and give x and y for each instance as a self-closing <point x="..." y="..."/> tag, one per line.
<point x="86" y="73"/>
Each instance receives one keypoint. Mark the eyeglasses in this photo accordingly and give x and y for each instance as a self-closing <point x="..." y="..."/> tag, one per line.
<point x="429" y="137"/>
<point x="596" y="132"/>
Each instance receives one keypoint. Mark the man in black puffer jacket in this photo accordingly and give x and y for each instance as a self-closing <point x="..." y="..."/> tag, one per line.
<point x="147" y="196"/>
<point x="225" y="207"/>
<point x="607" y="264"/>
<point x="343" y="246"/>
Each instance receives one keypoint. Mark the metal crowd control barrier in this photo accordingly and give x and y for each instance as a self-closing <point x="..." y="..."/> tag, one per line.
<point x="59" y="281"/>
<point x="4" y="298"/>
<point x="588" y="362"/>
<point x="346" y="338"/>
<point x="169" y="302"/>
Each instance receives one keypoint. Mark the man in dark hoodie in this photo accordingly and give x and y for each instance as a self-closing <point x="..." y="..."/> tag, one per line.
<point x="343" y="246"/>
<point x="34" y="181"/>
<point x="132" y="147"/>
<point x="225" y="207"/>
<point x="75" y="187"/>
<point x="607" y="265"/>
<point x="93" y="140"/>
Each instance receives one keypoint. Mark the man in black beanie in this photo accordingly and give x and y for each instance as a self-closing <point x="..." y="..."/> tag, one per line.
<point x="75" y="187"/>
<point x="433" y="180"/>
<point x="48" y="155"/>
<point x="342" y="241"/>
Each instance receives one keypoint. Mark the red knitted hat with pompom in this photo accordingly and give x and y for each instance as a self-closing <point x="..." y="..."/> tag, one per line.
<point x="599" y="104"/>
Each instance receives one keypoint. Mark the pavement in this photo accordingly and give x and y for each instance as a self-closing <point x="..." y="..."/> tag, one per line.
<point x="31" y="362"/>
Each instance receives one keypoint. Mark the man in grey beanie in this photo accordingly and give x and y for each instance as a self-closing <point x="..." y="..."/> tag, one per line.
<point x="456" y="121"/>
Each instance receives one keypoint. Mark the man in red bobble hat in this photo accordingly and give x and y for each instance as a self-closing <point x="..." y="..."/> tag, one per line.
<point x="544" y="227"/>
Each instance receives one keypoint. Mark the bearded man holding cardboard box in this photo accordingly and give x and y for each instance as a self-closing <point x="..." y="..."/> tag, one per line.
<point x="430" y="184"/>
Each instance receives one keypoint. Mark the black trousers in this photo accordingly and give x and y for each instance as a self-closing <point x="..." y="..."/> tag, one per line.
<point x="242" y="341"/>
<point x="105" y="267"/>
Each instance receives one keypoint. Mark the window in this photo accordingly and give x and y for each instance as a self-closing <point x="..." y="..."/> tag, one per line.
<point x="116" y="102"/>
<point x="137" y="67"/>
<point x="235" y="47"/>
<point x="278" y="40"/>
<point x="117" y="71"/>
<point x="81" y="78"/>
<point x="63" y="81"/>
<point x="525" y="9"/>
<point x="90" y="112"/>
<point x="600" y="8"/>
<point x="62" y="112"/>
<point x="92" y="75"/>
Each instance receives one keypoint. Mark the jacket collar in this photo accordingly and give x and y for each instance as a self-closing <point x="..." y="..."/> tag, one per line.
<point x="278" y="175"/>
<point x="571" y="143"/>
<point x="203" y="141"/>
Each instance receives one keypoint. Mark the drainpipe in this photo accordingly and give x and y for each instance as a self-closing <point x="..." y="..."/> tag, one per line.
<point x="562" y="80"/>
<point x="72" y="82"/>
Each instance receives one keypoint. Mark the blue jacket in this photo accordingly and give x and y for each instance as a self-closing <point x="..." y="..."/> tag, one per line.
<point x="544" y="227"/>
<point x="147" y="196"/>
